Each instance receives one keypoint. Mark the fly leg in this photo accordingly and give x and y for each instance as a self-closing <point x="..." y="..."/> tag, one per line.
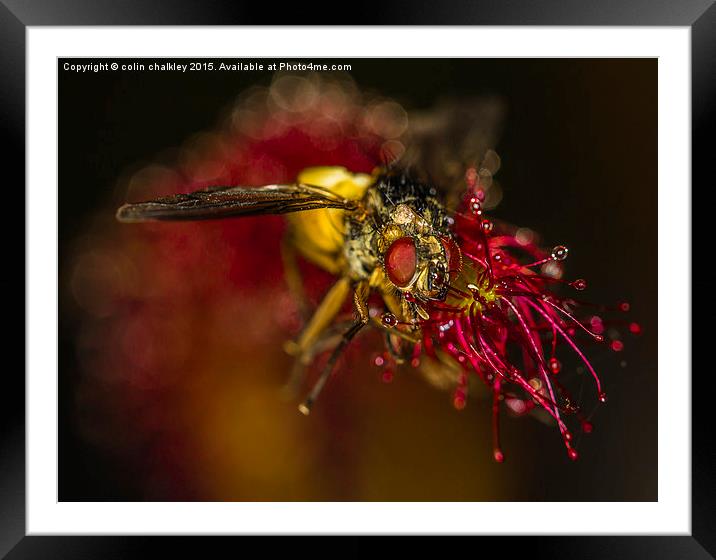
<point x="327" y="310"/>
<point x="303" y="348"/>
<point x="293" y="275"/>
<point x="328" y="340"/>
<point x="360" y="299"/>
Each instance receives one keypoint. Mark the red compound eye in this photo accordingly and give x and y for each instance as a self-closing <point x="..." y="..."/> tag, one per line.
<point x="401" y="261"/>
<point x="452" y="254"/>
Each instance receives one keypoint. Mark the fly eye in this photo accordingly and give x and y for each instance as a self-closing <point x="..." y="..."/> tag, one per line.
<point x="401" y="261"/>
<point x="453" y="255"/>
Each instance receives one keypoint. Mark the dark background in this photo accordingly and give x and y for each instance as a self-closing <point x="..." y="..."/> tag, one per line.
<point x="579" y="152"/>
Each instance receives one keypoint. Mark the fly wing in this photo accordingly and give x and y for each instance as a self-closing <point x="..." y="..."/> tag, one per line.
<point x="232" y="202"/>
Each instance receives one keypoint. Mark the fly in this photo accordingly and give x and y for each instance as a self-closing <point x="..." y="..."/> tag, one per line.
<point x="379" y="233"/>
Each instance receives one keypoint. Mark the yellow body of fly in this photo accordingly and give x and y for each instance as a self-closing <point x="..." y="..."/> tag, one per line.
<point x="320" y="234"/>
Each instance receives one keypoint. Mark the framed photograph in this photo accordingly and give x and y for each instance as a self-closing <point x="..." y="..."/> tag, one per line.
<point x="357" y="280"/>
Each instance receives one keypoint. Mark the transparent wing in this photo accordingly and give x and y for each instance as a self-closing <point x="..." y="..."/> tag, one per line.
<point x="231" y="202"/>
<point x="443" y="143"/>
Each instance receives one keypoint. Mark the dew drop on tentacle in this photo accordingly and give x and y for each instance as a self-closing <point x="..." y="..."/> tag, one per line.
<point x="555" y="366"/>
<point x="617" y="345"/>
<point x="635" y="328"/>
<point x="602" y="397"/>
<point x="559" y="253"/>
<point x="475" y="206"/>
<point x="389" y="320"/>
<point x="587" y="427"/>
<point x="387" y="376"/>
<point x="499" y="455"/>
<point x="580" y="284"/>
<point x="572" y="453"/>
<point x="535" y="383"/>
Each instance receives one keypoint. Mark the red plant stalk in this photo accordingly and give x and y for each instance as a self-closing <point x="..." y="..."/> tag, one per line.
<point x="503" y="321"/>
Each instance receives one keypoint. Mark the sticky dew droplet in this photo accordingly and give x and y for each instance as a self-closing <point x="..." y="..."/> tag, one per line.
<point x="389" y="320"/>
<point x="559" y="253"/>
<point x="555" y="366"/>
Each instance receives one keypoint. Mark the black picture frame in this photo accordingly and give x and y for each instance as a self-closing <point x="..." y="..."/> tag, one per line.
<point x="16" y="15"/>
